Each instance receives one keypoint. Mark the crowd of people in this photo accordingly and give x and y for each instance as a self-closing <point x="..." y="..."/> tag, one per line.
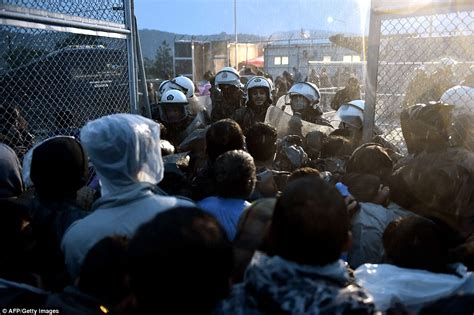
<point x="216" y="211"/>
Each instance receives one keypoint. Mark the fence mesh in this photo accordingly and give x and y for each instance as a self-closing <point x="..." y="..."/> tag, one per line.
<point x="421" y="57"/>
<point x="104" y="10"/>
<point x="53" y="82"/>
<point x="331" y="77"/>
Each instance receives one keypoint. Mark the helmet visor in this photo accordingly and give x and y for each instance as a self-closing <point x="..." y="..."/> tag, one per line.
<point x="298" y="102"/>
<point x="350" y="115"/>
<point x="172" y="113"/>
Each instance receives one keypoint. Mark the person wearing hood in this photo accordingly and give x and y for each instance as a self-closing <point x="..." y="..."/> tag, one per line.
<point x="300" y="271"/>
<point x="259" y="91"/>
<point x="125" y="151"/>
<point x="58" y="169"/>
<point x="11" y="183"/>
<point x="418" y="272"/>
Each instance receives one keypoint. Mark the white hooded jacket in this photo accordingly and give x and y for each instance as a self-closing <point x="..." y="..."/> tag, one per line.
<point x="125" y="151"/>
<point x="414" y="288"/>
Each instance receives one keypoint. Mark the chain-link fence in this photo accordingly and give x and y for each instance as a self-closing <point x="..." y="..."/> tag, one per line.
<point x="62" y="63"/>
<point x="331" y="77"/>
<point x="418" y="58"/>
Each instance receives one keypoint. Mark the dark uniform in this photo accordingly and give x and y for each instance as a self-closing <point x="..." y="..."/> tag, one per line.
<point x="249" y="115"/>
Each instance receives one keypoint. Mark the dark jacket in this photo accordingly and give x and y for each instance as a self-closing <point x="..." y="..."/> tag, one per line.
<point x="249" y="115"/>
<point x="273" y="285"/>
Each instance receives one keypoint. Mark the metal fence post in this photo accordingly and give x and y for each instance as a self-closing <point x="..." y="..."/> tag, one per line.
<point x="141" y="73"/>
<point x="371" y="79"/>
<point x="131" y="51"/>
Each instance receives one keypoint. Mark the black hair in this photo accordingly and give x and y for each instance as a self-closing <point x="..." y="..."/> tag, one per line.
<point x="222" y="136"/>
<point x="336" y="146"/>
<point x="310" y="223"/>
<point x="58" y="168"/>
<point x="234" y="174"/>
<point x="104" y="270"/>
<point x="370" y="158"/>
<point x="417" y="243"/>
<point x="303" y="172"/>
<point x="180" y="263"/>
<point x="364" y="187"/>
<point x="313" y="143"/>
<point x="261" y="141"/>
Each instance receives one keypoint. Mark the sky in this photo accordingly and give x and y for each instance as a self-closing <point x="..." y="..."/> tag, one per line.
<point x="258" y="17"/>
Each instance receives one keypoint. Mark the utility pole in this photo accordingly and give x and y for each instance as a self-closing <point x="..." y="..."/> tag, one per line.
<point x="235" y="32"/>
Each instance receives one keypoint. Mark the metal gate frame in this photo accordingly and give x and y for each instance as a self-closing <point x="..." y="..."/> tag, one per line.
<point x="377" y="15"/>
<point x="18" y="16"/>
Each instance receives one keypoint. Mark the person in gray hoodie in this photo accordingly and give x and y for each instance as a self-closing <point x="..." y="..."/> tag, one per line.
<point x="125" y="151"/>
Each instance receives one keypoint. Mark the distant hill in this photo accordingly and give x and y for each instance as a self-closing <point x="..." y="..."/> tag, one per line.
<point x="152" y="39"/>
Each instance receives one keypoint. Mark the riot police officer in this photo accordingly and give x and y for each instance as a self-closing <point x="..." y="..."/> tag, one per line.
<point x="176" y="117"/>
<point x="229" y="99"/>
<point x="258" y="98"/>
<point x="304" y="101"/>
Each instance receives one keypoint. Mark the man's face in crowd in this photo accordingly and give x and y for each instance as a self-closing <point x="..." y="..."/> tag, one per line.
<point x="229" y="91"/>
<point x="258" y="96"/>
<point x="299" y="102"/>
<point x="175" y="113"/>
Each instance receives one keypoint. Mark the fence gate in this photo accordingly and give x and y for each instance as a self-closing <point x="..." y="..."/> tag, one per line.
<point x="414" y="55"/>
<point x="63" y="63"/>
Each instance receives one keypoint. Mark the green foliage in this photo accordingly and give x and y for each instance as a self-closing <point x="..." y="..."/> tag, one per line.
<point x="163" y="64"/>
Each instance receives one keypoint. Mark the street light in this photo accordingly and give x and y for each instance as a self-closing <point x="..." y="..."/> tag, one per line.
<point x="332" y="19"/>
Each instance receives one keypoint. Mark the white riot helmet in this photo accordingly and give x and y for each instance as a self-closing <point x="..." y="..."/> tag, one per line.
<point x="164" y="86"/>
<point x="173" y="106"/>
<point x="308" y="90"/>
<point x="462" y="130"/>
<point x="184" y="84"/>
<point x="228" y="76"/>
<point x="462" y="97"/>
<point x="258" y="82"/>
<point x="351" y="114"/>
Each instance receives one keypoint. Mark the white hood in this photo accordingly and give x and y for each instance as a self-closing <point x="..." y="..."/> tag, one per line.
<point x="411" y="287"/>
<point x="125" y="150"/>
